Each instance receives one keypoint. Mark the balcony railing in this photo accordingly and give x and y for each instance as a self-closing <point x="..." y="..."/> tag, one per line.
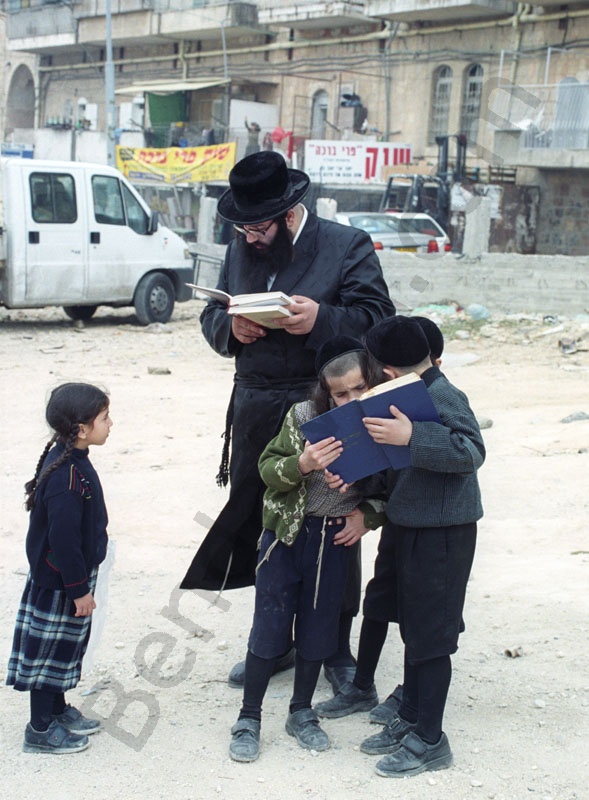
<point x="438" y="10"/>
<point x="38" y="19"/>
<point x="549" y="116"/>
<point x="308" y="14"/>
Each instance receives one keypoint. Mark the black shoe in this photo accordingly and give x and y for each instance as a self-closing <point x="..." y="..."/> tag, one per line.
<point x="339" y="675"/>
<point x="414" y="756"/>
<point x="56" y="739"/>
<point x="237" y="675"/>
<point x="304" y="726"/>
<point x="386" y="712"/>
<point x="245" y="740"/>
<point x="347" y="701"/>
<point x="75" y="722"/>
<point x="388" y="739"/>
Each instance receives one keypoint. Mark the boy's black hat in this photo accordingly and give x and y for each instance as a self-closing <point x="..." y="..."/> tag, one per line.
<point x="398" y="342"/>
<point x="262" y="188"/>
<point x="334" y="348"/>
<point x="433" y="334"/>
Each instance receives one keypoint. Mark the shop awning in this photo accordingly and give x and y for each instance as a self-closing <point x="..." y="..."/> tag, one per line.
<point x="169" y="87"/>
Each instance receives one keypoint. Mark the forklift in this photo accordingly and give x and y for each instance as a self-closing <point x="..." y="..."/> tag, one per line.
<point x="429" y="194"/>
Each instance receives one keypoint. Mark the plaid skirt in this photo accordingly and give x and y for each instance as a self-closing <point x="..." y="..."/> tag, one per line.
<point x="49" y="641"/>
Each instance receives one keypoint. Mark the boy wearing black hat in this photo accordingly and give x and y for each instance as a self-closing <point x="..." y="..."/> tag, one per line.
<point x="435" y="339"/>
<point x="425" y="556"/>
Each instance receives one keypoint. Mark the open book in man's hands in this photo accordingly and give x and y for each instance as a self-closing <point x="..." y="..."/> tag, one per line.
<point x="362" y="456"/>
<point x="260" y="307"/>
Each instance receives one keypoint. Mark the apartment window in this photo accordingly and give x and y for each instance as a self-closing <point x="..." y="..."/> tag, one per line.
<point x="440" y="106"/>
<point x="471" y="103"/>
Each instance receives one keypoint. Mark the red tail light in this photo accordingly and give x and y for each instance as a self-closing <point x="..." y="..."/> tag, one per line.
<point x="447" y="247"/>
<point x="378" y="246"/>
<point x="432" y="246"/>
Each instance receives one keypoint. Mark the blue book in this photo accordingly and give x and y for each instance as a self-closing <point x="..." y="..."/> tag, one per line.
<point x="362" y="456"/>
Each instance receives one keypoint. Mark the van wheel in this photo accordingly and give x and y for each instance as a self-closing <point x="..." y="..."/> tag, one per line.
<point x="154" y="298"/>
<point x="80" y="312"/>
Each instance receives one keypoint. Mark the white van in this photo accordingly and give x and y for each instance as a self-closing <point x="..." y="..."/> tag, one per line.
<point x="79" y="235"/>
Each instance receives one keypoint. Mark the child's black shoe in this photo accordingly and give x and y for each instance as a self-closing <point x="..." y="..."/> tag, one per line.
<point x="75" y="722"/>
<point x="414" y="756"/>
<point x="348" y="700"/>
<point x="56" y="739"/>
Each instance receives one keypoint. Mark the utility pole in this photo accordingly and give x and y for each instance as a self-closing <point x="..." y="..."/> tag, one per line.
<point x="227" y="88"/>
<point x="109" y="87"/>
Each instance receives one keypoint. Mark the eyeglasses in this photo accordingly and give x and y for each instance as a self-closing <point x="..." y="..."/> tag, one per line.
<point x="248" y="229"/>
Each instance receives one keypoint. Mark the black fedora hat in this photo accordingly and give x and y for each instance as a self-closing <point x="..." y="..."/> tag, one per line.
<point x="262" y="188"/>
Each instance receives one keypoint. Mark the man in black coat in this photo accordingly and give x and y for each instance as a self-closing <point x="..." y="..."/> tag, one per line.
<point x="335" y="280"/>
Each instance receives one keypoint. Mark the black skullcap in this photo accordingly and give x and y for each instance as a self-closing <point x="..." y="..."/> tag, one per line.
<point x="398" y="342"/>
<point x="433" y="334"/>
<point x="334" y="348"/>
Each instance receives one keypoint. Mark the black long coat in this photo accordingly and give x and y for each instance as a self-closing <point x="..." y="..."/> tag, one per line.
<point x="336" y="265"/>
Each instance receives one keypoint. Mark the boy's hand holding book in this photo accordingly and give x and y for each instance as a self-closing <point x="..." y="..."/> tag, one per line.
<point x="334" y="481"/>
<point x="395" y="430"/>
<point x="319" y="455"/>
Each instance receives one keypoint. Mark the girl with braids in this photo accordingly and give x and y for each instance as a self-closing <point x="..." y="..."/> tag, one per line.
<point x="66" y="542"/>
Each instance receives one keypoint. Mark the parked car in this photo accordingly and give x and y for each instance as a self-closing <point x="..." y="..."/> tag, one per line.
<point x="423" y="223"/>
<point x="387" y="232"/>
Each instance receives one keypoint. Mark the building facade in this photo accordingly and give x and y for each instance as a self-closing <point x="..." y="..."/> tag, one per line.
<point x="511" y="79"/>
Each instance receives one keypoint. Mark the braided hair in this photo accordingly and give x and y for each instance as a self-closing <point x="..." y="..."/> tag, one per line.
<point x="70" y="405"/>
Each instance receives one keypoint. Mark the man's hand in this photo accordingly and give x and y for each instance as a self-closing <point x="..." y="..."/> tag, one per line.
<point x="246" y="331"/>
<point x="395" y="430"/>
<point x="84" y="605"/>
<point x="304" y="313"/>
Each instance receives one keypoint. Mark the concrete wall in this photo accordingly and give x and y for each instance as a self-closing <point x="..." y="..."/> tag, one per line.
<point x="563" y="210"/>
<point x="503" y="283"/>
<point x="500" y="281"/>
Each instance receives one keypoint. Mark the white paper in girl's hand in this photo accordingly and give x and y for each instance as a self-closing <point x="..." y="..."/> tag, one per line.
<point x="99" y="613"/>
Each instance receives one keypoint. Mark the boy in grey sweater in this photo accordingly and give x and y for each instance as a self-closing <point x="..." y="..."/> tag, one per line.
<point x="425" y="556"/>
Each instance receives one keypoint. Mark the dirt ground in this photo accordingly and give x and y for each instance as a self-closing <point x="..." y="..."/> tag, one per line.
<point x="518" y="726"/>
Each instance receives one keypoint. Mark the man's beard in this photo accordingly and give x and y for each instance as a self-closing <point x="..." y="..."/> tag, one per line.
<point x="268" y="260"/>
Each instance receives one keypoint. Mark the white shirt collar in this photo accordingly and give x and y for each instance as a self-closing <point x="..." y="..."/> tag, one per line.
<point x="302" y="225"/>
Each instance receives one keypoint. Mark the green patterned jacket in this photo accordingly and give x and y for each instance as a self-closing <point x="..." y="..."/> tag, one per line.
<point x="285" y="499"/>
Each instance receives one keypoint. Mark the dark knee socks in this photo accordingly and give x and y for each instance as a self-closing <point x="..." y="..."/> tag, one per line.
<point x="425" y="689"/>
<point x="258" y="672"/>
<point x="373" y="635"/>
<point x="343" y="656"/>
<point x="305" y="681"/>
<point x="59" y="703"/>
<point x="42" y="708"/>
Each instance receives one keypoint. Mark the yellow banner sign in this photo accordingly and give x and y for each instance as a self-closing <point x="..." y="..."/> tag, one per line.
<point x="174" y="165"/>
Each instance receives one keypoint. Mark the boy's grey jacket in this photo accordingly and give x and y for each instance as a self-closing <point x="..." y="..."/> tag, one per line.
<point x="441" y="487"/>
